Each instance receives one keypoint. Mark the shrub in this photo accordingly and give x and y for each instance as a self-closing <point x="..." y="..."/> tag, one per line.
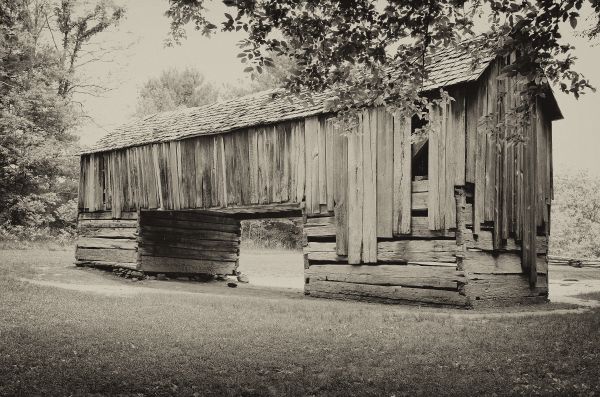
<point x="575" y="227"/>
<point x="272" y="233"/>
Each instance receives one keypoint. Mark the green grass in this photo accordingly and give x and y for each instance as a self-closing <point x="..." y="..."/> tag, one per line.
<point x="207" y="339"/>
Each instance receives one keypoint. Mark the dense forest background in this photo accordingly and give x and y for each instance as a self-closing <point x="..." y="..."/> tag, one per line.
<point x="42" y="45"/>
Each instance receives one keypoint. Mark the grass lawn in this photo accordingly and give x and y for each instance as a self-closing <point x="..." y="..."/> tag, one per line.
<point x="174" y="338"/>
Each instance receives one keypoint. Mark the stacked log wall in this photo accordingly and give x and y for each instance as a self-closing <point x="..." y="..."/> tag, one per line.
<point x="104" y="241"/>
<point x="188" y="242"/>
<point x="419" y="268"/>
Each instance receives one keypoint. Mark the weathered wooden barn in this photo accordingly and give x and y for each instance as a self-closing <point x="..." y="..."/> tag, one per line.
<point x="460" y="218"/>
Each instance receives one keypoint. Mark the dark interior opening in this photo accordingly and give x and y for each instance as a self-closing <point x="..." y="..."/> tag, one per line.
<point x="420" y="151"/>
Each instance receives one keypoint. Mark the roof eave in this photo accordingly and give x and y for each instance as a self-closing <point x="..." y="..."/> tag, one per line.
<point x="552" y="106"/>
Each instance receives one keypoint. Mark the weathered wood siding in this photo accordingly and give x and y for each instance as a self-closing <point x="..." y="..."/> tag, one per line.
<point x="249" y="167"/>
<point x="364" y="179"/>
<point x="509" y="164"/>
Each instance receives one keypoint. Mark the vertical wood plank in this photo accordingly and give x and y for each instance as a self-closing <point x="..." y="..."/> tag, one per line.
<point x="275" y="163"/>
<point x="308" y="139"/>
<point x="83" y="160"/>
<point x="178" y="175"/>
<point x="433" y="168"/>
<point x="532" y="195"/>
<point x="331" y="160"/>
<point x="340" y="166"/>
<point x="173" y="161"/>
<point x="355" y="197"/>
<point x="448" y="210"/>
<point x="460" y="142"/>
<point x="385" y="173"/>
<point x="293" y="144"/>
<point x="215" y="185"/>
<point x="207" y="157"/>
<point x="200" y="166"/>
<point x="442" y="169"/>
<point x="149" y="183"/>
<point x="230" y="165"/>
<point x="157" y="175"/>
<point x="182" y="177"/>
<point x="540" y="166"/>
<point x="253" y="164"/>
<point x="124" y="179"/>
<point x="322" y="154"/>
<point x="402" y="175"/>
<point x="130" y="197"/>
<point x="223" y="168"/>
<point x="510" y="161"/>
<point x="142" y="184"/>
<point x="269" y="163"/>
<point x="301" y="177"/>
<point x="262" y="166"/>
<point x="311" y="127"/>
<point x="490" y="165"/>
<point x="90" y="194"/>
<point x="471" y="118"/>
<point x="106" y="181"/>
<point x="480" y="159"/>
<point x="117" y="173"/>
<point x="369" y="202"/>
<point x="243" y="162"/>
<point x="500" y="222"/>
<point x="190" y="172"/>
<point x="285" y="147"/>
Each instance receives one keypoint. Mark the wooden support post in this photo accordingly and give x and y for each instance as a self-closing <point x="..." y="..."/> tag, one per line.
<point x="138" y="240"/>
<point x="461" y="228"/>
<point x="461" y="225"/>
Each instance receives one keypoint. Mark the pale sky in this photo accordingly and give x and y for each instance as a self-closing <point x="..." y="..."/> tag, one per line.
<point x="576" y="140"/>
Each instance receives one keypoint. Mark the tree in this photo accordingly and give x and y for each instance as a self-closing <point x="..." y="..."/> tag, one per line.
<point x="351" y="47"/>
<point x="38" y="149"/>
<point x="175" y="89"/>
<point x="272" y="77"/>
<point x="76" y="24"/>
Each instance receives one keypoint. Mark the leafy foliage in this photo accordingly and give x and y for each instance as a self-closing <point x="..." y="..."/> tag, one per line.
<point x="174" y="89"/>
<point x="374" y="52"/>
<point x="272" y="77"/>
<point x="38" y="150"/>
<point x="576" y="216"/>
<point x="272" y="233"/>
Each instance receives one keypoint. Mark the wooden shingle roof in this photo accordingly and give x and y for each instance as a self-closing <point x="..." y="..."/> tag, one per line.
<point x="448" y="67"/>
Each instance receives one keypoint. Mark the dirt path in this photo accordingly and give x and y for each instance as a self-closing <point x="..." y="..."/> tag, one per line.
<point x="279" y="275"/>
<point x="565" y="291"/>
